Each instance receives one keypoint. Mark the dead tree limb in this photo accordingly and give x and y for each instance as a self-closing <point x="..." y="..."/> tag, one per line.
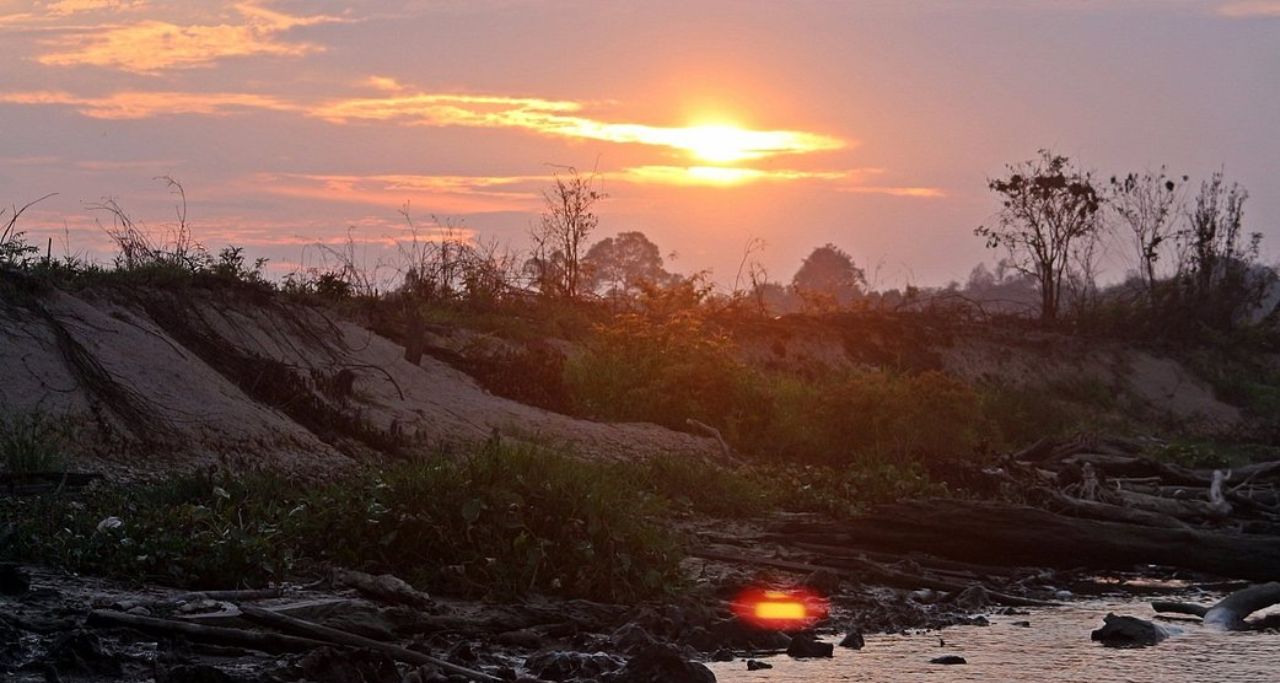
<point x="335" y="636"/>
<point x="1231" y="611"/>
<point x="267" y="642"/>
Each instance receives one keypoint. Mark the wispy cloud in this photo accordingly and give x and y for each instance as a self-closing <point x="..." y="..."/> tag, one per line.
<point x="141" y="105"/>
<point x="1250" y="9"/>
<point x="711" y="142"/>
<point x="151" y="46"/>
<point x="64" y="8"/>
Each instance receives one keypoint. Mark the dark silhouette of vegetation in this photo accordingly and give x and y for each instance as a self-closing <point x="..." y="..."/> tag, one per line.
<point x="1049" y="209"/>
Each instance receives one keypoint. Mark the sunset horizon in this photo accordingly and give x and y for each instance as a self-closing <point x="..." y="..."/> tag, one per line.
<point x="295" y="124"/>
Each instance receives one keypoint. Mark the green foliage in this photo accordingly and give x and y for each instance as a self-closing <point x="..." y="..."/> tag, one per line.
<point x="32" y="442"/>
<point x="503" y="521"/>
<point x="759" y="488"/>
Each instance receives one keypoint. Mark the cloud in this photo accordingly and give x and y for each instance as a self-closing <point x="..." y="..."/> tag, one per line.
<point x="1250" y="9"/>
<point x="724" y="175"/>
<point x="716" y="143"/>
<point x="64" y="8"/>
<point x="920" y="192"/>
<point x="140" y="105"/>
<point x="435" y="193"/>
<point x="152" y="46"/>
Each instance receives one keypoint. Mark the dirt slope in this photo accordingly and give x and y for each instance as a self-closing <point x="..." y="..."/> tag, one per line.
<point x="153" y="382"/>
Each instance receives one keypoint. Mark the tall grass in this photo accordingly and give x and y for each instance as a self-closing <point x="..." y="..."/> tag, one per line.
<point x="32" y="442"/>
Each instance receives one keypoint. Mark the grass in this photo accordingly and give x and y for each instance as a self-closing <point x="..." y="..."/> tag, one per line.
<point x="498" y="521"/>
<point x="32" y="442"/>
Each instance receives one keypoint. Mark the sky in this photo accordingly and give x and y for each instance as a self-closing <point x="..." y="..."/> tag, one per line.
<point x="873" y="125"/>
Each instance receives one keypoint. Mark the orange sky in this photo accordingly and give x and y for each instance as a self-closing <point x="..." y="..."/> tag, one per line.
<point x="869" y="124"/>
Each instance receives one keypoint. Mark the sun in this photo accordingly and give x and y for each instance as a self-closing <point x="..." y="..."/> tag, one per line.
<point x="721" y="143"/>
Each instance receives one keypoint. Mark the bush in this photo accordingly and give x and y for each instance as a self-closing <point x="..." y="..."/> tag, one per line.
<point x="503" y="521"/>
<point x="32" y="442"/>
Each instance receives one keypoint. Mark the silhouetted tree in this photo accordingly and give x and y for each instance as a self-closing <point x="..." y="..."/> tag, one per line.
<point x="558" y="238"/>
<point x="1217" y="259"/>
<point x="619" y="265"/>
<point x="1048" y="206"/>
<point x="1149" y="205"/>
<point x="828" y="276"/>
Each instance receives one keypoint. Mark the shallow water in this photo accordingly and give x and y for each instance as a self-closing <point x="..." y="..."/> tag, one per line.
<point x="1055" y="648"/>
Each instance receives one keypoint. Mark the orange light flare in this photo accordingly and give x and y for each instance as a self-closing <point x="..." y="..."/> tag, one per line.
<point x="780" y="610"/>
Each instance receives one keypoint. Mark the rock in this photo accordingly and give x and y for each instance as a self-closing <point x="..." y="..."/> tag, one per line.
<point x="1128" y="632"/>
<point x="825" y="581"/>
<point x="804" y="644"/>
<point x="525" y="638"/>
<point x="14" y="580"/>
<point x="754" y="665"/>
<point x="82" y="653"/>
<point x="329" y="665"/>
<point x="723" y="655"/>
<point x="195" y="673"/>
<point x="631" y="639"/>
<point x="973" y="598"/>
<point x="661" y="664"/>
<point x="853" y="640"/>
<point x="1021" y="624"/>
<point x="562" y="666"/>
<point x="924" y="596"/>
<point x="948" y="659"/>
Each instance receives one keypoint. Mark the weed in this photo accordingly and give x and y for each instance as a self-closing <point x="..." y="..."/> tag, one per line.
<point x="32" y="442"/>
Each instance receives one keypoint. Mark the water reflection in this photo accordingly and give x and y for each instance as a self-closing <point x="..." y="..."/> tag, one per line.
<point x="1055" y="648"/>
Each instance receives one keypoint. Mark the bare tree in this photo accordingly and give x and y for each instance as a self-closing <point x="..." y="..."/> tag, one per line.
<point x="1217" y="258"/>
<point x="1149" y="205"/>
<point x="1047" y="205"/>
<point x="560" y="235"/>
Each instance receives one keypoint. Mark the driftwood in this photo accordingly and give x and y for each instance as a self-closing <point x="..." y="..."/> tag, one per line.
<point x="1230" y="612"/>
<point x="726" y="451"/>
<point x="231" y="595"/>
<point x="335" y="636"/>
<point x="258" y="640"/>
<point x="1016" y="535"/>
<point x="858" y="569"/>
<point x="384" y="587"/>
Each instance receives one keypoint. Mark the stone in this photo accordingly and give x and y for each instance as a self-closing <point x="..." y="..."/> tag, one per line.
<point x="754" y="665"/>
<point x="805" y="644"/>
<point x="1021" y="624"/>
<point x="82" y="653"/>
<point x="557" y="665"/>
<point x="14" y="580"/>
<point x="525" y="638"/>
<point x="1128" y="632"/>
<point x="330" y="665"/>
<point x="853" y="640"/>
<point x="661" y="664"/>
<point x="722" y="655"/>
<point x="825" y="581"/>
<point x="631" y="638"/>
<point x="948" y="659"/>
<point x="973" y="598"/>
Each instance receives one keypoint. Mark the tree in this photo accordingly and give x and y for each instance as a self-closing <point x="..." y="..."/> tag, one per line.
<point x="1149" y="205"/>
<point x="619" y="265"/>
<point x="828" y="273"/>
<point x="562" y="230"/>
<point x="1048" y="207"/>
<point x="1217" y="261"/>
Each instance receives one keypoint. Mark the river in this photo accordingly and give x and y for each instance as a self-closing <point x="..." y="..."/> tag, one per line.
<point x="1055" y="648"/>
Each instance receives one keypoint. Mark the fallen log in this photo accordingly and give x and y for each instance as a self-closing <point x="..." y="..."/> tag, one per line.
<point x="1230" y="612"/>
<point x="335" y="636"/>
<point x="258" y="640"/>
<point x="1092" y="509"/>
<point x="384" y="587"/>
<point x="859" y="569"/>
<point x="1016" y="535"/>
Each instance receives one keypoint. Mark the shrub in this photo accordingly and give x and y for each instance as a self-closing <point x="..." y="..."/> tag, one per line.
<point x="504" y="521"/>
<point x="32" y="442"/>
